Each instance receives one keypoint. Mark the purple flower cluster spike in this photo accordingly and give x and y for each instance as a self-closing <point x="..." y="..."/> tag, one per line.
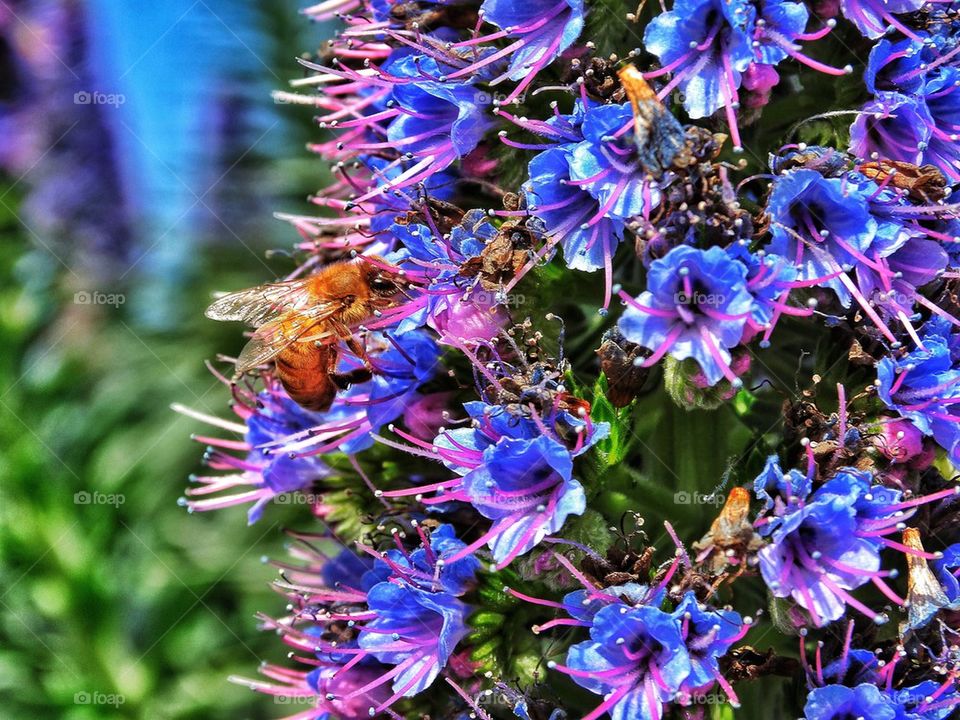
<point x="559" y="506"/>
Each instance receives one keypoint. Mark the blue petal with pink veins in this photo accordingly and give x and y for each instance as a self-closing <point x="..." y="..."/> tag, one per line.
<point x="710" y="633"/>
<point x="838" y="701"/>
<point x="927" y="393"/>
<point x="570" y="208"/>
<point x="868" y="15"/>
<point x="564" y="23"/>
<point x="788" y="19"/>
<point x="773" y="484"/>
<point x="516" y="537"/>
<point x="828" y="526"/>
<point x="669" y="36"/>
<point x="829" y="204"/>
<point x="438" y="625"/>
<point x="945" y="568"/>
<point x="653" y="638"/>
<point x="892" y="66"/>
<point x="714" y="275"/>
<point x="895" y="126"/>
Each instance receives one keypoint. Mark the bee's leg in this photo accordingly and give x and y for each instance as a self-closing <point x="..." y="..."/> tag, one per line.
<point x="360" y="351"/>
<point x="343" y="380"/>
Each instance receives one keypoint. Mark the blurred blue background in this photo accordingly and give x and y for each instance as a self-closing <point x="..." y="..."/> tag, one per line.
<point x="141" y="159"/>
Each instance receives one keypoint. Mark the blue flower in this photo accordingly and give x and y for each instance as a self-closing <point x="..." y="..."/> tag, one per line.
<point x="544" y="29"/>
<point x="570" y="213"/>
<point x="924" y="386"/>
<point x="583" y="605"/>
<point x="526" y="487"/>
<point x="345" y="569"/>
<point x="707" y="634"/>
<point x="708" y="43"/>
<point x="895" y="66"/>
<point x="854" y="667"/>
<point x="427" y="568"/>
<point x="439" y="120"/>
<point x="778" y="489"/>
<point x="515" y="470"/>
<point x="609" y="167"/>
<point x="409" y="361"/>
<point x="414" y="630"/>
<point x="781" y="24"/>
<point x="816" y="552"/>
<point x="927" y="700"/>
<point x="946" y="569"/>
<point x="770" y="279"/>
<point x="837" y="702"/>
<point x="287" y="443"/>
<point x="941" y="93"/>
<point x="635" y="658"/>
<point x="873" y="17"/>
<point x="278" y="418"/>
<point x="916" y="263"/>
<point x="696" y="305"/>
<point x="891" y="126"/>
<point x="824" y="226"/>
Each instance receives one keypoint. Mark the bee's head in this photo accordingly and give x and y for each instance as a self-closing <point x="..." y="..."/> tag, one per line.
<point x="384" y="281"/>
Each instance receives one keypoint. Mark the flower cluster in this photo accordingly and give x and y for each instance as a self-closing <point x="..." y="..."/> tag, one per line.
<point x="380" y="628"/>
<point x="826" y="543"/>
<point x="501" y="434"/>
<point x="640" y="657"/>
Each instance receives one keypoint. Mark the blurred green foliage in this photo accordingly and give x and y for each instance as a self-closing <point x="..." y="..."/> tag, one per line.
<point x="125" y="595"/>
<point x="114" y="602"/>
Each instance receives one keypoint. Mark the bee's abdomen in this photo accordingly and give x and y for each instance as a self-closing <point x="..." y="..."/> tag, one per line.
<point x="304" y="371"/>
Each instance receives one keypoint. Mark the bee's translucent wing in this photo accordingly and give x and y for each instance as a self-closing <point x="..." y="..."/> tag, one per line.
<point x="275" y="336"/>
<point x="260" y="305"/>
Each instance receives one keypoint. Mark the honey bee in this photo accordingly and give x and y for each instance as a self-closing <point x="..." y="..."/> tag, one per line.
<point x="658" y="135"/>
<point x="299" y="325"/>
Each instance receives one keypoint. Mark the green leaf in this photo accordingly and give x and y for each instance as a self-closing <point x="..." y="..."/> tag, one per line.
<point x="613" y="448"/>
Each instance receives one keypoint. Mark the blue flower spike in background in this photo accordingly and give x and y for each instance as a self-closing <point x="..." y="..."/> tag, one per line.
<point x="603" y="361"/>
